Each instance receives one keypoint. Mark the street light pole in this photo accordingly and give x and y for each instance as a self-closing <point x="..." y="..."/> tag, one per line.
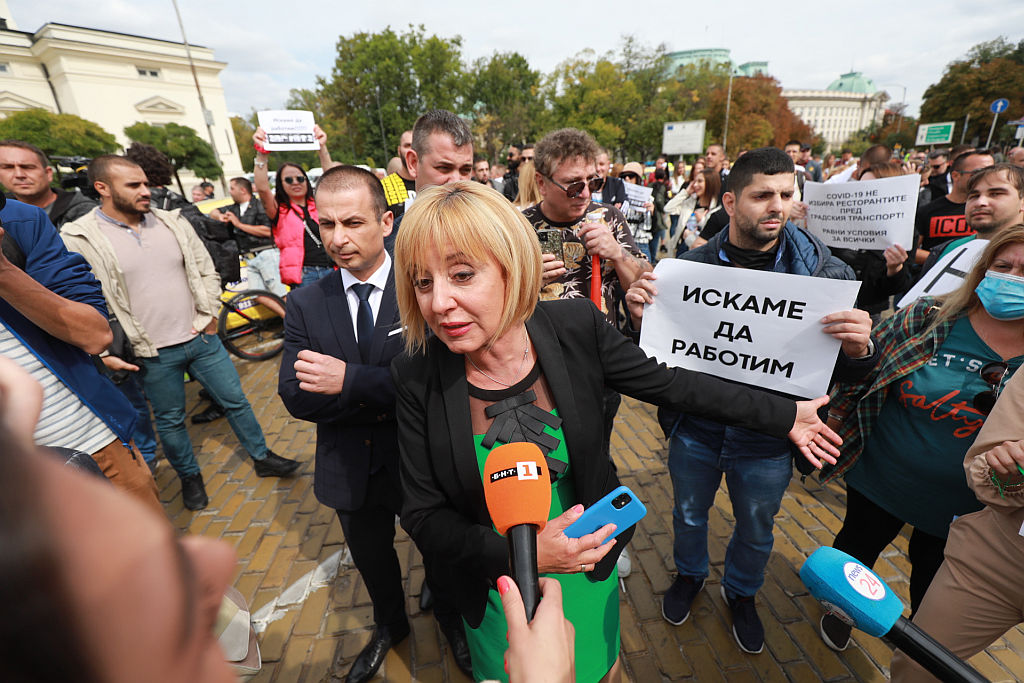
<point x="207" y="114"/>
<point x="728" y="104"/>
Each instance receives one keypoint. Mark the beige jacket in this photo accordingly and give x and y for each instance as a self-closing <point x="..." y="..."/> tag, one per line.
<point x="1006" y="423"/>
<point x="86" y="237"/>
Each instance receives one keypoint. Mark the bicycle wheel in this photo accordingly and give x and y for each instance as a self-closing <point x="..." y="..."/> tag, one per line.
<point x="248" y="328"/>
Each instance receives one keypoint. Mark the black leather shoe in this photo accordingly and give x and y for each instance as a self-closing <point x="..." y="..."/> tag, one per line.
<point x="372" y="656"/>
<point x="275" y="466"/>
<point x="213" y="412"/>
<point x="455" y="634"/>
<point x="193" y="493"/>
<point x="426" y="598"/>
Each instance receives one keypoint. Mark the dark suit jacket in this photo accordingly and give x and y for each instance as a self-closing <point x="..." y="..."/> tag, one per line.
<point x="580" y="353"/>
<point x="355" y="430"/>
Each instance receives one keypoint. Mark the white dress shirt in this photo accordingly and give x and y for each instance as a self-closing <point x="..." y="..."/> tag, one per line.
<point x="379" y="280"/>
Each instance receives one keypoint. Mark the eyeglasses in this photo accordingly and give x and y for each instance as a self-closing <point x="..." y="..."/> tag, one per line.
<point x="629" y="176"/>
<point x="295" y="180"/>
<point x="575" y="189"/>
<point x="524" y="159"/>
<point x="993" y="373"/>
<point x="936" y="167"/>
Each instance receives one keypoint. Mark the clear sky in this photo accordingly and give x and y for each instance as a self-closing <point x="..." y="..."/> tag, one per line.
<point x="271" y="47"/>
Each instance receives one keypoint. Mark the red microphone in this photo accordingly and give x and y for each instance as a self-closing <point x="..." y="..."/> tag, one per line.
<point x="517" y="488"/>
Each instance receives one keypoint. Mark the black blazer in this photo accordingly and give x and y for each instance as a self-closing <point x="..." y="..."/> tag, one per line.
<point x="355" y="430"/>
<point x="580" y="353"/>
<point x="614" y="191"/>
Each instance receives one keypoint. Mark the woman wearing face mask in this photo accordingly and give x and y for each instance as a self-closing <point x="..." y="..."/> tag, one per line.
<point x="907" y="426"/>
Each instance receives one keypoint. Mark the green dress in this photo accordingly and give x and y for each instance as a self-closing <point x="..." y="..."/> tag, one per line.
<point x="592" y="607"/>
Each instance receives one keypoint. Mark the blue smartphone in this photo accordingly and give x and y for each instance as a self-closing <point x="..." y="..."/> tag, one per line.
<point x="620" y="507"/>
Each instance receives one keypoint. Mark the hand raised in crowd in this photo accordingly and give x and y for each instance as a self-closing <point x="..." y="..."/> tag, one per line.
<point x="543" y="650"/>
<point x="852" y="328"/>
<point x="813" y="437"/>
<point x="554" y="268"/>
<point x="319" y="373"/>
<point x="599" y="240"/>
<point x="641" y="292"/>
<point x="1005" y="458"/>
<point x="320" y="135"/>
<point x="559" y="554"/>
<point x="799" y="211"/>
<point x="895" y="257"/>
<point x="259" y="139"/>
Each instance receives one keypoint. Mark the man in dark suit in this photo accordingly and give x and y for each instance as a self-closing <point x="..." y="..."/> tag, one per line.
<point x="340" y="336"/>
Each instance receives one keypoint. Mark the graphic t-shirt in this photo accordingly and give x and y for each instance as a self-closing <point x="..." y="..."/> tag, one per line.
<point x="575" y="284"/>
<point x="939" y="221"/>
<point x="912" y="464"/>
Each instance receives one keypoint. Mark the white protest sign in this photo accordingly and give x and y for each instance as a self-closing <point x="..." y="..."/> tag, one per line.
<point x="869" y="214"/>
<point x="638" y="195"/>
<point x="288" y="130"/>
<point x="947" y="274"/>
<point x="756" y="327"/>
<point x="683" y="137"/>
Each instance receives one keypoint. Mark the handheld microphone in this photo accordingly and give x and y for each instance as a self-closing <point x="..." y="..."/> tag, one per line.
<point x="856" y="595"/>
<point x="517" y="488"/>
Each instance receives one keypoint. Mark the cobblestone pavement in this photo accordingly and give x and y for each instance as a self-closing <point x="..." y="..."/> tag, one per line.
<point x="315" y="623"/>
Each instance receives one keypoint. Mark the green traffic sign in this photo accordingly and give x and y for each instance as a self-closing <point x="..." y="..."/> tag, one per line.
<point x="935" y="133"/>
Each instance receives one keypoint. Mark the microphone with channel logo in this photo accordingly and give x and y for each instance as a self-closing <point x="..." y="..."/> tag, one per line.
<point x="856" y="595"/>
<point x="517" y="488"/>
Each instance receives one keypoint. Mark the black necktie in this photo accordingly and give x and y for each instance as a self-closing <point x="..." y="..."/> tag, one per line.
<point x="364" y="320"/>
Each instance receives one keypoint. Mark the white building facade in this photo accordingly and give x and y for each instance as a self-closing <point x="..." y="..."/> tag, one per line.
<point x="114" y="80"/>
<point x="848" y="104"/>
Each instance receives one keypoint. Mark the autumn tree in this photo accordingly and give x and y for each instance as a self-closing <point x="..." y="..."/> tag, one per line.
<point x="759" y="116"/>
<point x="58" y="134"/>
<point x="990" y="70"/>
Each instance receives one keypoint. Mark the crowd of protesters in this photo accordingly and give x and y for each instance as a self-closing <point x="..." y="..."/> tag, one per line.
<point x="459" y="303"/>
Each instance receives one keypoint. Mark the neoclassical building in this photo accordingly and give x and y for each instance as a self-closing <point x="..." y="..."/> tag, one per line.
<point x="114" y="80"/>
<point x="848" y="104"/>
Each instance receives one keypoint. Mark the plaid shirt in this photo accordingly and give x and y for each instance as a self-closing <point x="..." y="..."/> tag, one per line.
<point x="903" y="349"/>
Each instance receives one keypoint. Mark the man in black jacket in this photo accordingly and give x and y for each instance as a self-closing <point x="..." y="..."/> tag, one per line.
<point x="341" y="334"/>
<point x="758" y="468"/>
<point x="252" y="232"/>
<point x="26" y="173"/>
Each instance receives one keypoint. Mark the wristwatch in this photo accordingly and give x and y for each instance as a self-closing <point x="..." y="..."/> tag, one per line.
<point x="260" y="164"/>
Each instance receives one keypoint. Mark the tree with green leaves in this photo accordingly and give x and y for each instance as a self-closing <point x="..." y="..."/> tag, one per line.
<point x="759" y="115"/>
<point x="504" y="95"/>
<point x="990" y="70"/>
<point x="382" y="81"/>
<point x="182" y="145"/>
<point x="58" y="134"/>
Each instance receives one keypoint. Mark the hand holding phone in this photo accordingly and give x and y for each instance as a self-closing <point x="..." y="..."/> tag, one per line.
<point x="620" y="507"/>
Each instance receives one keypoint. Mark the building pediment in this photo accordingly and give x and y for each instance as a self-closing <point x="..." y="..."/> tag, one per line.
<point x="11" y="102"/>
<point x="159" y="105"/>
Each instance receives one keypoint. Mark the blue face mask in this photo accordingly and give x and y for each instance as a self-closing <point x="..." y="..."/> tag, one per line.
<point x="1002" y="295"/>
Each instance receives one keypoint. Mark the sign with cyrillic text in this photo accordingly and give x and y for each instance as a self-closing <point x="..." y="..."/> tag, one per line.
<point x="868" y="214"/>
<point x="638" y="195"/>
<point x="948" y="273"/>
<point x="288" y="130"/>
<point x="760" y="328"/>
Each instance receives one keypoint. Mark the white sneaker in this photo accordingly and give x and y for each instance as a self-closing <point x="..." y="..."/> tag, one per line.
<point x="624" y="565"/>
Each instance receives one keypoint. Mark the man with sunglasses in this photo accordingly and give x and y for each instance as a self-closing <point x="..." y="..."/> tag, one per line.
<point x="566" y="164"/>
<point x="940" y="180"/>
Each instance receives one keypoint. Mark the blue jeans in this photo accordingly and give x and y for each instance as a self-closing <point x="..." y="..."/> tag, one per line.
<point x="205" y="359"/>
<point x="143" y="436"/>
<point x="263" y="271"/>
<point x="311" y="274"/>
<point x="757" y="471"/>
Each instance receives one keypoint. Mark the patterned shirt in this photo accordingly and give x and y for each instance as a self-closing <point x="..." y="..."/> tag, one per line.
<point x="575" y="284"/>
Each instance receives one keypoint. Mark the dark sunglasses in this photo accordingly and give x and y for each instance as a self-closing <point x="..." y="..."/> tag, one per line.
<point x="627" y="176"/>
<point x="295" y="180"/>
<point x="575" y="189"/>
<point x="993" y="373"/>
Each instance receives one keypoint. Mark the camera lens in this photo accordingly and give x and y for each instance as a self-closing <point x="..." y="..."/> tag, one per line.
<point x="621" y="501"/>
